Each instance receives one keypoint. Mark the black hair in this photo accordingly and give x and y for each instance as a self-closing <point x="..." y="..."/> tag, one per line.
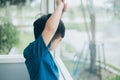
<point x="39" y="26"/>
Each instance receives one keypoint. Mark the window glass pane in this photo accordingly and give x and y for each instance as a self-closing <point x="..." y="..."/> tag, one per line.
<point x="77" y="53"/>
<point x="16" y="24"/>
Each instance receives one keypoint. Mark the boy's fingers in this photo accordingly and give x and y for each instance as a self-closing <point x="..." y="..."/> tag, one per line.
<point x="57" y="2"/>
<point x="63" y="1"/>
<point x="65" y="7"/>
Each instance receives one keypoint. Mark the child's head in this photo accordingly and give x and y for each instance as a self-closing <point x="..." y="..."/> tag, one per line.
<point x="39" y="26"/>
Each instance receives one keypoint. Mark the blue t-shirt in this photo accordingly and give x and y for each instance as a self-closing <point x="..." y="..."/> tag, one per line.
<point x="39" y="61"/>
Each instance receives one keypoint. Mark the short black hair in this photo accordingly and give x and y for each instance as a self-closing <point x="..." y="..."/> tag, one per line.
<point x="39" y="26"/>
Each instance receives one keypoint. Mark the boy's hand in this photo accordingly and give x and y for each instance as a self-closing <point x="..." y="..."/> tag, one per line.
<point x="65" y="7"/>
<point x="58" y="2"/>
<point x="62" y="2"/>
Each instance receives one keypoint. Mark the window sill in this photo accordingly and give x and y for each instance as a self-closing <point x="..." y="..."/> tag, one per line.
<point x="11" y="59"/>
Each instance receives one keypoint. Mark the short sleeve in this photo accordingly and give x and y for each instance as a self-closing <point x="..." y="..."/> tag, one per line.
<point x="39" y="61"/>
<point x="40" y="47"/>
<point x="36" y="49"/>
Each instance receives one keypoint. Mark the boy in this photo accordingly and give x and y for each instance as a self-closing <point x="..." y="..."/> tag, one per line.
<point x="48" y="31"/>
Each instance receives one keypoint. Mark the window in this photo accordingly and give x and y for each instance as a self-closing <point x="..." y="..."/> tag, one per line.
<point x="88" y="21"/>
<point x="90" y="48"/>
<point x="18" y="14"/>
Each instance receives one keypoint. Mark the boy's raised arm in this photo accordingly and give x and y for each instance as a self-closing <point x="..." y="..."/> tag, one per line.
<point x="53" y="22"/>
